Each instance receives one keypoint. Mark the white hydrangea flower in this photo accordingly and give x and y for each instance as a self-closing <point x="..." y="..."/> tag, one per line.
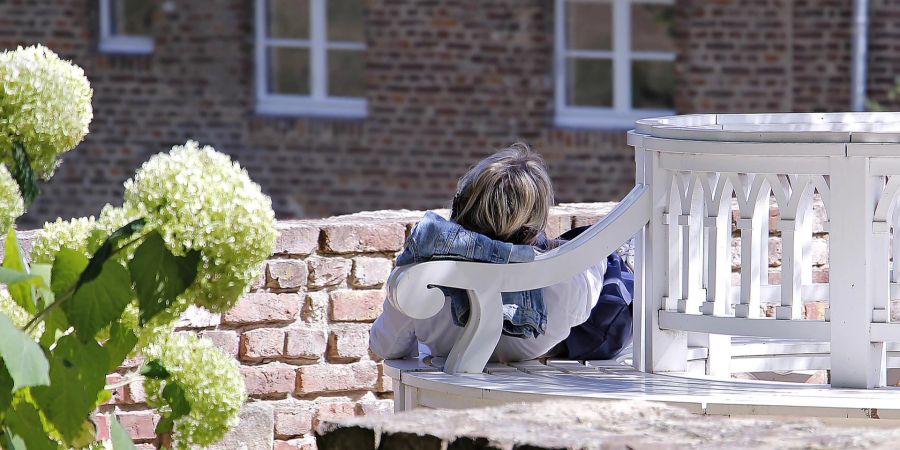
<point x="212" y="383"/>
<point x="45" y="104"/>
<point x="11" y="203"/>
<point x="73" y="234"/>
<point x="16" y="314"/>
<point x="198" y="199"/>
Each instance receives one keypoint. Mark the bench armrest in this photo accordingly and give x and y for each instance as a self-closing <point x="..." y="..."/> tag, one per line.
<point x="410" y="288"/>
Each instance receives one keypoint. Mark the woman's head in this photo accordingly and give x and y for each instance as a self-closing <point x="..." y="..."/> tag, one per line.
<point x="506" y="196"/>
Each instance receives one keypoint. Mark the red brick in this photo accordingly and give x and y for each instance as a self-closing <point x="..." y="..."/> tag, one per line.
<point x="305" y="343"/>
<point x="356" y="306"/>
<point x="327" y="271"/>
<point x="296" y="238"/>
<point x="118" y="394"/>
<point x="557" y="224"/>
<point x="332" y="411"/>
<point x="315" y="307"/>
<point x="385" y="383"/>
<point x="262" y="343"/>
<point x="101" y="421"/>
<point x="263" y="307"/>
<point x="287" y="274"/>
<point x="815" y="310"/>
<point x="226" y="340"/>
<point x="336" y="377"/>
<point x="140" y="425"/>
<point x="348" y="343"/>
<point x="291" y="422"/>
<point x="269" y="381"/>
<point x="363" y="237"/>
<point x="304" y="443"/>
<point x="370" y="272"/>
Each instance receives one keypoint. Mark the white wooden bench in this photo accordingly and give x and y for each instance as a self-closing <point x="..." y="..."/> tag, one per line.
<point x="693" y="329"/>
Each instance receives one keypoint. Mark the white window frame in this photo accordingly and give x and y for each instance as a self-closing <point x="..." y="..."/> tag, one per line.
<point x="622" y="114"/>
<point x="120" y="43"/>
<point x="318" y="103"/>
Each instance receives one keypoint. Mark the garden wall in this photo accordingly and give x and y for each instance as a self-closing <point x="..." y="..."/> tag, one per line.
<point x="301" y="334"/>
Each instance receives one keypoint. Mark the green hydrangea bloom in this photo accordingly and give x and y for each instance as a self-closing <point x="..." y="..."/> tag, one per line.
<point x="73" y="234"/>
<point x="45" y="104"/>
<point x="11" y="204"/>
<point x="17" y="315"/>
<point x="198" y="199"/>
<point x="212" y="383"/>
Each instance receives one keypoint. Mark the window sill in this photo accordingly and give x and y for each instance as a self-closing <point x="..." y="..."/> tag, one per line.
<point x="603" y="119"/>
<point x="129" y="45"/>
<point x="297" y="106"/>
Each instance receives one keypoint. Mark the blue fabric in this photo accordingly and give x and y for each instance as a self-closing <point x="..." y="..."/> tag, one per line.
<point x="436" y="238"/>
<point x="608" y="329"/>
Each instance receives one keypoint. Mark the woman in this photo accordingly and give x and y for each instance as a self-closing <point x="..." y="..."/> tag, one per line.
<point x="498" y="214"/>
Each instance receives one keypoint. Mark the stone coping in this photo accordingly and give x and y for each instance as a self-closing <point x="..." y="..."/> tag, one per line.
<point x="570" y="424"/>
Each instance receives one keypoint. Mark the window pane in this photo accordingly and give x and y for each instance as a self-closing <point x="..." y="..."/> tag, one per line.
<point x="345" y="20"/>
<point x="288" y="19"/>
<point x="588" y="25"/>
<point x="589" y="82"/>
<point x="653" y="84"/>
<point x="289" y="71"/>
<point x="346" y="73"/>
<point x="651" y="27"/>
<point x="131" y="17"/>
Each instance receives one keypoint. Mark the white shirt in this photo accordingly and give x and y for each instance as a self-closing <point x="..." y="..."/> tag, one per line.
<point x="395" y="335"/>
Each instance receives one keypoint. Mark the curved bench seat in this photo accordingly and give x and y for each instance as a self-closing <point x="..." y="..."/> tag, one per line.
<point x="419" y="384"/>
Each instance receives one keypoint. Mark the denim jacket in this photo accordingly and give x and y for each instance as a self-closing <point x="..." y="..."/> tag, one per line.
<point x="436" y="238"/>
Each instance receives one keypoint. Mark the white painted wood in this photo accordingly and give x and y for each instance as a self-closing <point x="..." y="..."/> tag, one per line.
<point x="112" y="42"/>
<point x="666" y="349"/>
<point x="856" y="361"/>
<point x="410" y="287"/>
<point x="643" y="306"/>
<point x="318" y="102"/>
<point x="740" y="326"/>
<point x="621" y="114"/>
<point x="688" y="168"/>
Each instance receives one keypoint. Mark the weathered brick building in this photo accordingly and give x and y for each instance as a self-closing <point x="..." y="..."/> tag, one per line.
<point x="339" y="106"/>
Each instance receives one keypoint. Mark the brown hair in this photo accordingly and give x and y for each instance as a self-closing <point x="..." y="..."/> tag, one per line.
<point x="506" y="196"/>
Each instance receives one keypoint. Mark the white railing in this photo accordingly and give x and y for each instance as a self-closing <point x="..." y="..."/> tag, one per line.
<point x="694" y="166"/>
<point x="690" y="170"/>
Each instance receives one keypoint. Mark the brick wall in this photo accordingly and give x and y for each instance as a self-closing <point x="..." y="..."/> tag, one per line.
<point x="765" y="55"/>
<point x="447" y="82"/>
<point x="301" y="334"/>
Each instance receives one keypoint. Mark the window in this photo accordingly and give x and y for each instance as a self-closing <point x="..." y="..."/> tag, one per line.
<point x="125" y="26"/>
<point x="614" y="61"/>
<point x="310" y="57"/>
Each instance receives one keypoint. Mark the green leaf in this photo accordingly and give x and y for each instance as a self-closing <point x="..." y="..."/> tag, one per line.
<point x="55" y="325"/>
<point x="67" y="268"/>
<point x="159" y="276"/>
<point x="99" y="258"/>
<point x="23" y="357"/>
<point x="25" y="423"/>
<point x="77" y="375"/>
<point x="119" y="437"/>
<point x="24" y="174"/>
<point x="14" y="259"/>
<point x="12" y="441"/>
<point x="99" y="301"/>
<point x="6" y="387"/>
<point x="121" y="341"/>
<point x="173" y="394"/>
<point x="45" y="271"/>
<point x="154" y="369"/>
